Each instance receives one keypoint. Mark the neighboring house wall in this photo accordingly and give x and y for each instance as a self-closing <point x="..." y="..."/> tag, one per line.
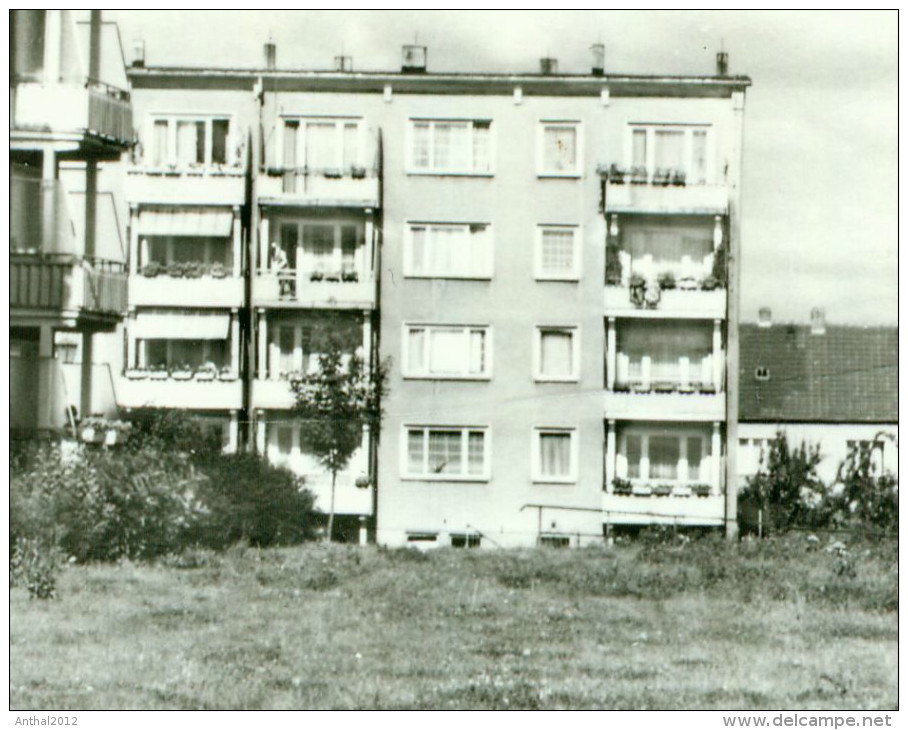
<point x="833" y="440"/>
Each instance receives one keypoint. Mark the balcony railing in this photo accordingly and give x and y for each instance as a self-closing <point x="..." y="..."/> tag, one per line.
<point x="40" y="221"/>
<point x="86" y="108"/>
<point x="346" y="288"/>
<point x="212" y="287"/>
<point x="149" y="388"/>
<point x="661" y="191"/>
<point x="354" y="187"/>
<point x="665" y="402"/>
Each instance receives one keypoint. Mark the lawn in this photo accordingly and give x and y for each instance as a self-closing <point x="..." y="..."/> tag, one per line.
<point x="780" y="624"/>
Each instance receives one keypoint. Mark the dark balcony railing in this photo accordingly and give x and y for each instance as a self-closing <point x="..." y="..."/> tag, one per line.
<point x="65" y="283"/>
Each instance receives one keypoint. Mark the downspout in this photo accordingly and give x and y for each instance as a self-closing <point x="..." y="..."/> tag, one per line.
<point x="255" y="151"/>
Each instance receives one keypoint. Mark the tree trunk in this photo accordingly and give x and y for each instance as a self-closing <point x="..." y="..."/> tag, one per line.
<point x="331" y="511"/>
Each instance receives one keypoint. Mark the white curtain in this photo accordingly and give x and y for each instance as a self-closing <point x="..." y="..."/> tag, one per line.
<point x="694" y="457"/>
<point x="415" y="451"/>
<point x="444" y="452"/>
<point x="351" y="145"/>
<point x="318" y="244"/>
<point x="664" y="454"/>
<point x="446" y="351"/>
<point x="669" y="149"/>
<point x="634" y="452"/>
<point x="639" y="148"/>
<point x="555" y="454"/>
<point x="416" y="350"/>
<point x="321" y="149"/>
<point x="475" y="452"/>
<point x="421" y="136"/>
<point x="477" y="351"/>
<point x="161" y="142"/>
<point x="560" y="149"/>
<point x="558" y="251"/>
<point x="698" y="173"/>
<point x="556" y="353"/>
<point x="481" y="147"/>
<point x="187" y="143"/>
<point x="418" y="250"/>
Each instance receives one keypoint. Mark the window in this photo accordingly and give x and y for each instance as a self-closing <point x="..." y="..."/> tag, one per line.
<point x="670" y="152"/>
<point x="465" y="540"/>
<point x="441" y="351"/>
<point x="321" y="145"/>
<point x="554" y="455"/>
<point x="559" y="149"/>
<point x="633" y="451"/>
<point x="178" y="354"/>
<point x="444" y="453"/>
<point x="165" y="250"/>
<point x="451" y="146"/>
<point x="761" y="373"/>
<point x="557" y="353"/>
<point x="665" y="457"/>
<point x="448" y="250"/>
<point x="190" y="141"/>
<point x="558" y="253"/>
<point x="555" y="541"/>
<point x="291" y="350"/>
<point x="330" y="247"/>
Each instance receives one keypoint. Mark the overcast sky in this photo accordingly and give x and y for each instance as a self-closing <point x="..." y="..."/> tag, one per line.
<point x="820" y="168"/>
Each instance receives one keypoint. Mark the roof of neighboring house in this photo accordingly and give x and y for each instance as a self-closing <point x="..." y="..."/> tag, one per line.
<point x="848" y="374"/>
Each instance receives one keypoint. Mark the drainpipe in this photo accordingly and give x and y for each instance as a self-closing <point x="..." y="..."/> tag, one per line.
<point x="255" y="151"/>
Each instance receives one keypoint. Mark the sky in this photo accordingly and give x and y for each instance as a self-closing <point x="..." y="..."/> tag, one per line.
<point x="820" y="186"/>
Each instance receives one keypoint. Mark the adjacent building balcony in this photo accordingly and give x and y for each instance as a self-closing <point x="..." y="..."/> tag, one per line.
<point x="646" y="197"/>
<point x="624" y="301"/>
<point x="345" y="289"/>
<point x="199" y="185"/>
<point x="207" y="290"/>
<point x="355" y="187"/>
<point x="273" y="394"/>
<point x="80" y="111"/>
<point x="163" y="389"/>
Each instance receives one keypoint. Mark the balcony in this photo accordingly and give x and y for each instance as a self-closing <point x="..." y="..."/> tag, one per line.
<point x="85" y="111"/>
<point x="288" y="288"/>
<point x="202" y="185"/>
<point x="680" y="507"/>
<point x="272" y="394"/>
<point x="160" y="389"/>
<point x="670" y="304"/>
<point x="645" y="197"/>
<point x="203" y="291"/>
<point x="356" y="187"/>
<point x="665" y="403"/>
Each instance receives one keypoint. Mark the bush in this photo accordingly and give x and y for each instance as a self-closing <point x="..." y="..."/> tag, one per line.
<point x="868" y="497"/>
<point x="249" y="499"/>
<point x="34" y="565"/>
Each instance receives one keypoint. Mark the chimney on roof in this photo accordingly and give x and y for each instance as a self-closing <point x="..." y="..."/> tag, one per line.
<point x="764" y="318"/>
<point x="138" y="54"/>
<point x="343" y="63"/>
<point x="414" y="59"/>
<point x="270" y="54"/>
<point x="818" y="321"/>
<point x="722" y="63"/>
<point x="598" y="51"/>
<point x="548" y="66"/>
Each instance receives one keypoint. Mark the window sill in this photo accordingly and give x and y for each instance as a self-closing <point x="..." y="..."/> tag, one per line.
<point x="450" y="173"/>
<point x="456" y="277"/>
<point x="552" y="379"/>
<point x="482" y="479"/>
<point x="565" y="279"/>
<point x="554" y="481"/>
<point x="558" y="175"/>
<point x="461" y="378"/>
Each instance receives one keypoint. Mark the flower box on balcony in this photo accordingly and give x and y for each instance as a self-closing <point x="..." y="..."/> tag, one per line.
<point x="662" y="177"/>
<point x="316" y="276"/>
<point x="227" y="374"/>
<point x="701" y="490"/>
<point x="158" y="374"/>
<point x="687" y="283"/>
<point x="193" y="269"/>
<point x="136" y="374"/>
<point x="205" y="376"/>
<point x="333" y="276"/>
<point x="151" y="269"/>
<point x="679" y="177"/>
<point x="621" y="388"/>
<point x="175" y="270"/>
<point x="182" y="374"/>
<point x="707" y="388"/>
<point x="662" y="490"/>
<point x="642" y="490"/>
<point x="332" y="173"/>
<point x="349" y="275"/>
<point x="616" y="174"/>
<point x="621" y="487"/>
<point x="686" y="389"/>
<point x="664" y="387"/>
<point x="218" y="271"/>
<point x="682" y="490"/>
<point x="709" y="283"/>
<point x="638" y="175"/>
<point x="357" y="173"/>
<point x="363" y="482"/>
<point x="641" y="388"/>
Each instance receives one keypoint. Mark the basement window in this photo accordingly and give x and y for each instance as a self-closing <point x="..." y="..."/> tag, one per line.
<point x="761" y="373"/>
<point x="465" y="540"/>
<point x="422" y="537"/>
<point x="556" y="541"/>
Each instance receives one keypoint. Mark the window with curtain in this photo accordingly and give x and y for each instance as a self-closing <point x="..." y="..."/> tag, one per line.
<point x="321" y="146"/>
<point x="351" y="145"/>
<point x="441" y="453"/>
<point x="348" y="247"/>
<point x="318" y="245"/>
<point x="638" y="145"/>
<point x="555" y="455"/>
<point x="698" y="162"/>
<point x="670" y="149"/>
<point x="220" y="133"/>
<point x="451" y="146"/>
<point x="556" y="353"/>
<point x="439" y="351"/>
<point x="633" y="454"/>
<point x="448" y="250"/>
<point x="286" y="344"/>
<point x="558" y="256"/>
<point x="694" y="457"/>
<point x="665" y="343"/>
<point x="161" y="143"/>
<point x="679" y="148"/>
<point x="289" y="242"/>
<point x="664" y="455"/>
<point x="190" y="143"/>
<point x="559" y="149"/>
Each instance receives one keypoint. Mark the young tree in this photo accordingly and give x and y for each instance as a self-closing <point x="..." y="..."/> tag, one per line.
<point x="336" y="403"/>
<point x="870" y="496"/>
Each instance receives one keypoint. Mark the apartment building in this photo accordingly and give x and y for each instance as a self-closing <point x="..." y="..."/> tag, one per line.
<point x="70" y="123"/>
<point x="548" y="260"/>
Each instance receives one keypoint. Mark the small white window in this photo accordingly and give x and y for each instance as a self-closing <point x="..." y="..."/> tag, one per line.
<point x="185" y="141"/>
<point x="555" y="455"/>
<point x="448" y="250"/>
<point x="557" y="353"/>
<point x="456" y="147"/>
<point x="446" y="453"/>
<point x="321" y="145"/>
<point x="558" y="255"/>
<point x="559" y="149"/>
<point x="447" y="352"/>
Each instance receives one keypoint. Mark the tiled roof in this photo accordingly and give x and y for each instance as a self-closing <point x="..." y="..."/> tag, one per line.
<point x="847" y="375"/>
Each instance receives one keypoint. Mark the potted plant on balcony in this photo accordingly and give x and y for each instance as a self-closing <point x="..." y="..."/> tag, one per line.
<point x="349" y="274"/>
<point x="158" y="371"/>
<point x="175" y="270"/>
<point x="363" y="482"/>
<point x="207" y="372"/>
<point x="687" y="283"/>
<point x="652" y="294"/>
<point x="621" y="487"/>
<point x="637" y="290"/>
<point x="664" y="387"/>
<point x="621" y="388"/>
<point x="666" y="280"/>
<point x="638" y="175"/>
<point x="662" y="490"/>
<point x="616" y="174"/>
<point x="642" y="490"/>
<point x="681" y="490"/>
<point x="92" y="429"/>
<point x="687" y="388"/>
<point x="183" y="371"/>
<point x="709" y="283"/>
<point x="701" y="490"/>
<point x="708" y="388"/>
<point x="136" y="373"/>
<point x="357" y="172"/>
<point x="332" y="173"/>
<point x="151" y="269"/>
<point x="218" y="270"/>
<point x="193" y="269"/>
<point x="679" y="177"/>
<point x="226" y="373"/>
<point x="317" y="275"/>
<point x="662" y="177"/>
<point x="613" y="268"/>
<point x="333" y="276"/>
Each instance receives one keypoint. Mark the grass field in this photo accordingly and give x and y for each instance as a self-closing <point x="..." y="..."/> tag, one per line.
<point x="774" y="625"/>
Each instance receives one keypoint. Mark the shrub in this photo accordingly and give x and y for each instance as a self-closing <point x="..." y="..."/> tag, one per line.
<point x="868" y="497"/>
<point x="34" y="565"/>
